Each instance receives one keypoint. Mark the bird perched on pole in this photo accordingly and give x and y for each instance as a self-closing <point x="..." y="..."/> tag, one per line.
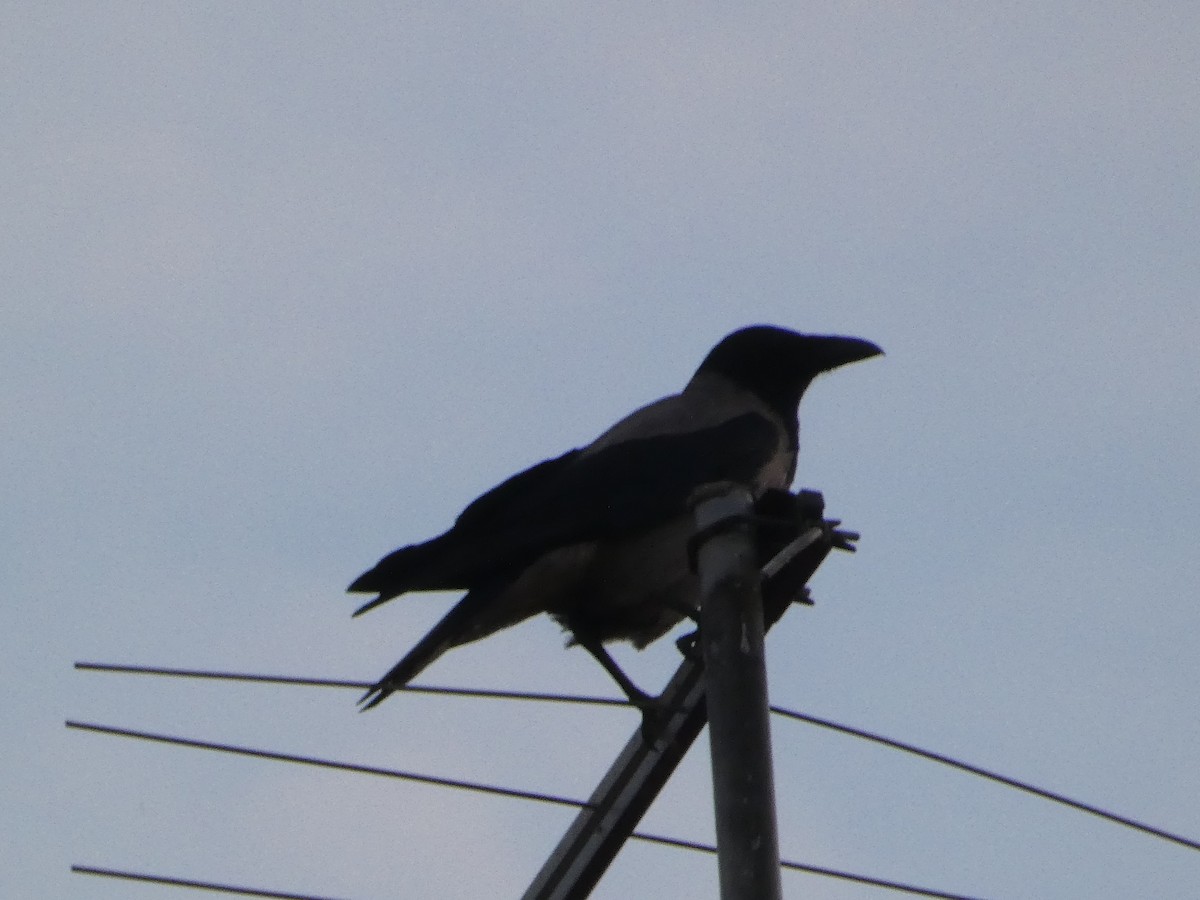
<point x="598" y="537"/>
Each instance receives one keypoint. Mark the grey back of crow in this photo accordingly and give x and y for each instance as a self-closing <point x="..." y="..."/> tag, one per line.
<point x="597" y="537"/>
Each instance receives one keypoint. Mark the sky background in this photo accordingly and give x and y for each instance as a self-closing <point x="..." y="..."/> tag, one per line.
<point x="285" y="285"/>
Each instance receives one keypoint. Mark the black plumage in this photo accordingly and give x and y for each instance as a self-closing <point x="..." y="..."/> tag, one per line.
<point x="597" y="537"/>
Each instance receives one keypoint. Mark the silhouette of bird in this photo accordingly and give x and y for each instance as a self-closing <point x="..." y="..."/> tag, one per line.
<point x="597" y="537"/>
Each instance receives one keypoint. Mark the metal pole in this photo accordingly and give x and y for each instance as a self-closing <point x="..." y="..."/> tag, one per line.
<point x="731" y="636"/>
<point x="640" y="772"/>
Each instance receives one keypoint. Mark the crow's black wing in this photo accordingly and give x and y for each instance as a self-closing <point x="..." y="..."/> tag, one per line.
<point x="433" y="565"/>
<point x="632" y="485"/>
<point x="490" y="507"/>
<point x="580" y="496"/>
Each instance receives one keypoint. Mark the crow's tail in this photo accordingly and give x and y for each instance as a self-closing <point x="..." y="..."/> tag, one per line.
<point x="455" y="628"/>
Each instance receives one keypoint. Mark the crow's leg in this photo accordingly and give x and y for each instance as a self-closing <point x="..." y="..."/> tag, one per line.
<point x="652" y="708"/>
<point x="636" y="695"/>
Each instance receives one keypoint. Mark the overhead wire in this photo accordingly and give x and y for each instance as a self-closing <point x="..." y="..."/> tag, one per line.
<point x="863" y="734"/>
<point x="483" y="693"/>
<point x="494" y="790"/>
<point x="812" y="870"/>
<point x="676" y="843"/>
<point x="1016" y="783"/>
<point x="327" y="764"/>
<point x="197" y="885"/>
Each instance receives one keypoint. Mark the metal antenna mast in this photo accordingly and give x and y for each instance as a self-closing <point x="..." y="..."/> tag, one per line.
<point x="735" y="681"/>
<point x="796" y="538"/>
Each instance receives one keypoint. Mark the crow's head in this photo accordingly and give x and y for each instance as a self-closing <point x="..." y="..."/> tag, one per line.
<point x="777" y="364"/>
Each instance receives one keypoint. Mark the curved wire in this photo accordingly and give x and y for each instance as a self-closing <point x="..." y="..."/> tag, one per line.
<point x="829" y="724"/>
<point x="189" y="883"/>
<point x="484" y="693"/>
<point x="990" y="775"/>
<point x="479" y="787"/>
<point x="329" y="764"/>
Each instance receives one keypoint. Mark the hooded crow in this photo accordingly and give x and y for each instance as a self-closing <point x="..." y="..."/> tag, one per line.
<point x="598" y="537"/>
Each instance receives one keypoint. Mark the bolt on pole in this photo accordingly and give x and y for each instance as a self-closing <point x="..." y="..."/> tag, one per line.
<point x="731" y="638"/>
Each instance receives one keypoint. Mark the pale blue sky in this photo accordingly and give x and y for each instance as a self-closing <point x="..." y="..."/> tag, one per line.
<point x="287" y="284"/>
